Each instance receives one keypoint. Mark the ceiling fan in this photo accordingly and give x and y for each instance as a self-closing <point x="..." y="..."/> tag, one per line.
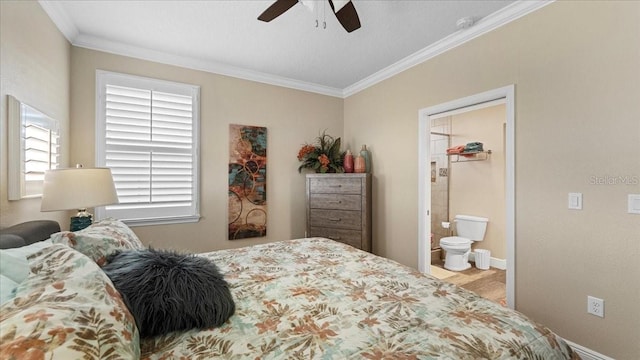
<point x="344" y="10"/>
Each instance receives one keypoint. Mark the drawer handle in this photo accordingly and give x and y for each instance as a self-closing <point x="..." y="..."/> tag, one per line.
<point x="338" y="186"/>
<point x="337" y="238"/>
<point x="335" y="219"/>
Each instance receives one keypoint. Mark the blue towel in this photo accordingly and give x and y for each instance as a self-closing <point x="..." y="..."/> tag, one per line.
<point x="473" y="147"/>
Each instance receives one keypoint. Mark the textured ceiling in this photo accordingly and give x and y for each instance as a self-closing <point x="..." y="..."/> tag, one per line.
<point x="226" y="35"/>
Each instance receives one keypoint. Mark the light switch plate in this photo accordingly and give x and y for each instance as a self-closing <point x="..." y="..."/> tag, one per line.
<point x="634" y="204"/>
<point x="575" y="201"/>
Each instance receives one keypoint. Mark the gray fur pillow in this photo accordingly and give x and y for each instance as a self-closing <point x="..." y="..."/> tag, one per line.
<point x="167" y="291"/>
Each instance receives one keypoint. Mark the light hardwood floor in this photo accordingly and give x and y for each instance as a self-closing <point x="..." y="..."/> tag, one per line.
<point x="490" y="284"/>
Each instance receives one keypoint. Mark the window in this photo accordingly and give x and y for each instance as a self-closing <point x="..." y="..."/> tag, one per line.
<point x="33" y="149"/>
<point x="147" y="133"/>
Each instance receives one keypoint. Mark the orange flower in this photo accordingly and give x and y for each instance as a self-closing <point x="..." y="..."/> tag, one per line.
<point x="324" y="160"/>
<point x="304" y="151"/>
<point x="323" y="157"/>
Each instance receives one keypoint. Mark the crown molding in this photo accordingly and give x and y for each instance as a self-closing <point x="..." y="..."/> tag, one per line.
<point x="504" y="16"/>
<point x="117" y="48"/>
<point x="60" y="18"/>
<point x="491" y="22"/>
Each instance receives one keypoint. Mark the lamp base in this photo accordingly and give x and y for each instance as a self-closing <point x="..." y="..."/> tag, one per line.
<point x="80" y="222"/>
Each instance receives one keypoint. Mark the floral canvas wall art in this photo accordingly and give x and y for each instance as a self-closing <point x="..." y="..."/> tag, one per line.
<point x="247" y="181"/>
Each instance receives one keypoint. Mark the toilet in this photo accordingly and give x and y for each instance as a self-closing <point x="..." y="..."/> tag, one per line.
<point x="468" y="229"/>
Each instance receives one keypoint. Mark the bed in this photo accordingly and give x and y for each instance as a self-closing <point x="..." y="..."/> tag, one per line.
<point x="309" y="298"/>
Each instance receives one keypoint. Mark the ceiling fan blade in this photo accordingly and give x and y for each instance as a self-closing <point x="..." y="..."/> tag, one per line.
<point x="276" y="9"/>
<point x="347" y="16"/>
<point x="339" y="4"/>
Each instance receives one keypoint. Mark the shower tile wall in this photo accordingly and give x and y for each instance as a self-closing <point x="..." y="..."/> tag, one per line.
<point x="440" y="188"/>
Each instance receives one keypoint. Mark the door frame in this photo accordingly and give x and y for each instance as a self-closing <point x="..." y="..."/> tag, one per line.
<point x="424" y="184"/>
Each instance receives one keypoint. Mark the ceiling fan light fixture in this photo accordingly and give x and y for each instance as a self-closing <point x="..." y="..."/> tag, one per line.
<point x="309" y="4"/>
<point x="344" y="10"/>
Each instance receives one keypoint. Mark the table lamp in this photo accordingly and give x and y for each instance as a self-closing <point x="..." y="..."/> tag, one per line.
<point x="78" y="188"/>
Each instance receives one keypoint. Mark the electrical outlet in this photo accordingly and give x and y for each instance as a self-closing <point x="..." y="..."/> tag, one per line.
<point x="595" y="306"/>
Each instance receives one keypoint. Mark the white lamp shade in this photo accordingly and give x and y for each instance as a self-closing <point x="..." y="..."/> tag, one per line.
<point x="78" y="188"/>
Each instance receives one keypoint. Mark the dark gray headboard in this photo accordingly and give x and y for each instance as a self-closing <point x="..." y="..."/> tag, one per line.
<point x="27" y="233"/>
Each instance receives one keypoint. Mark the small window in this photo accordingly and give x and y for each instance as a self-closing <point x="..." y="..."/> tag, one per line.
<point x="147" y="133"/>
<point x="34" y="147"/>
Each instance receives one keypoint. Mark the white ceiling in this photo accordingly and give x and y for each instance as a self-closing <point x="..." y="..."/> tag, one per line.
<point x="225" y="36"/>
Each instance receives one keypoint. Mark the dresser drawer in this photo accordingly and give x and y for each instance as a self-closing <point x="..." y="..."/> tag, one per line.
<point x="350" y="237"/>
<point x="339" y="208"/>
<point x="335" y="201"/>
<point x="340" y="219"/>
<point x="342" y="185"/>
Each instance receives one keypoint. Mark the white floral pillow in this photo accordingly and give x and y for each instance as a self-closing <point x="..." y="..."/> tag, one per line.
<point x="100" y="239"/>
<point x="67" y="308"/>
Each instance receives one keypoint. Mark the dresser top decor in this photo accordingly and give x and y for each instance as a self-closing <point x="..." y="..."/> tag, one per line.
<point x="324" y="156"/>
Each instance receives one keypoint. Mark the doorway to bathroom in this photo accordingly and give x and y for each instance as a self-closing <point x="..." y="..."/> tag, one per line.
<point x="450" y="184"/>
<point x="471" y="183"/>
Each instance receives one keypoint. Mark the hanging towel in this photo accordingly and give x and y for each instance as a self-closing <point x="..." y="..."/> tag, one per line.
<point x="473" y="147"/>
<point x="456" y="149"/>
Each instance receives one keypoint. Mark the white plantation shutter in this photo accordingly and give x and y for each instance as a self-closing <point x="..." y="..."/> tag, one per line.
<point x="41" y="152"/>
<point x="148" y="132"/>
<point x="34" y="140"/>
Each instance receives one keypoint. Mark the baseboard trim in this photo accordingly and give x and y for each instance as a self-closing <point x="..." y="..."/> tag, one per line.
<point x="587" y="354"/>
<point x="494" y="262"/>
<point x="498" y="263"/>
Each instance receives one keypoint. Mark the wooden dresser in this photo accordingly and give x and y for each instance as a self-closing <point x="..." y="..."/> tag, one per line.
<point x="339" y="208"/>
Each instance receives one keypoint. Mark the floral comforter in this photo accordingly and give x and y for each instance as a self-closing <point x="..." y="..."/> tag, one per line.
<point x="319" y="299"/>
<point x="66" y="309"/>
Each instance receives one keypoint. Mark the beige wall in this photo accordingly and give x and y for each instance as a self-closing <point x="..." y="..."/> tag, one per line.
<point x="34" y="68"/>
<point x="478" y="187"/>
<point x="577" y="84"/>
<point x="575" y="67"/>
<point x="292" y="118"/>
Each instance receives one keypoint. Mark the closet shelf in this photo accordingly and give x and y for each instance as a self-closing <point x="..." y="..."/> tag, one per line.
<point x="470" y="156"/>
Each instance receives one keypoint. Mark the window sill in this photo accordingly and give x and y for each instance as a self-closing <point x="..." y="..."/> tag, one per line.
<point x="162" y="221"/>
